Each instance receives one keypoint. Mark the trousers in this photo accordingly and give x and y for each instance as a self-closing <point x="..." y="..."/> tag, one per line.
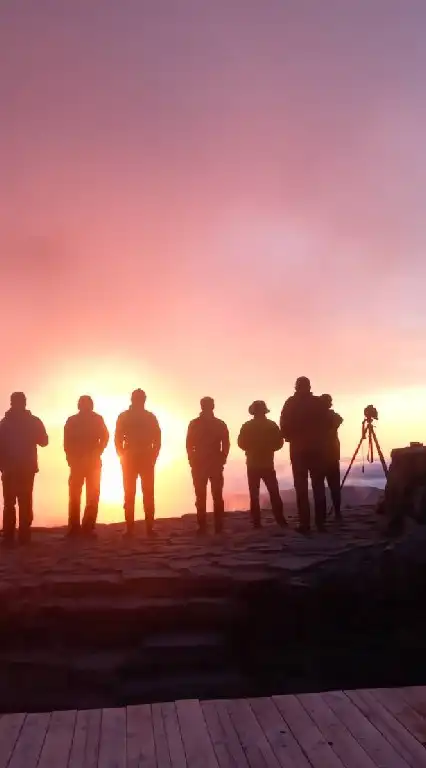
<point x="89" y="474"/>
<point x="307" y="463"/>
<point x="131" y="473"/>
<point x="269" y="477"/>
<point x="201" y="476"/>
<point x="18" y="485"/>
<point x="332" y="475"/>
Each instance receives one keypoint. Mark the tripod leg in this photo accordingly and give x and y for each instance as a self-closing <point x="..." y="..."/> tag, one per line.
<point x="352" y="460"/>
<point x="379" y="451"/>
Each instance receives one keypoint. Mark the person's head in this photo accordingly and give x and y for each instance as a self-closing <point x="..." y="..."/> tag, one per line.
<point x="85" y="404"/>
<point x="18" y="401"/>
<point x="207" y="405"/>
<point x="303" y="385"/>
<point x="327" y="400"/>
<point x="258" y="409"/>
<point x="138" y="398"/>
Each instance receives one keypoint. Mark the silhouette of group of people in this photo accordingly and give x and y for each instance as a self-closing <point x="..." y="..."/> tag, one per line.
<point x="307" y="422"/>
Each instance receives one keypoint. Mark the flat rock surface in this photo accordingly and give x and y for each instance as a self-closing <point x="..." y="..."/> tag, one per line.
<point x="207" y="565"/>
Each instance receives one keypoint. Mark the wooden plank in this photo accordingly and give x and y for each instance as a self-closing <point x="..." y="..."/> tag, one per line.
<point x="396" y="704"/>
<point x="85" y="745"/>
<point x="140" y="737"/>
<point x="393" y="732"/>
<point x="174" y="737"/>
<point x="363" y="729"/>
<point x="78" y="745"/>
<point x="310" y="738"/>
<point x="227" y="746"/>
<point x="253" y="740"/>
<point x="415" y="696"/>
<point x="112" y="746"/>
<point x="57" y="745"/>
<point x="334" y="731"/>
<point x="10" y="728"/>
<point x="30" y="742"/>
<point x="198" y="746"/>
<point x="279" y="735"/>
<point x="160" y="738"/>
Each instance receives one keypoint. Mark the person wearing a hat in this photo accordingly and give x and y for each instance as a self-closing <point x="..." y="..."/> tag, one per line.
<point x="303" y="424"/>
<point x="85" y="439"/>
<point x="207" y="446"/>
<point x="138" y="443"/>
<point x="259" y="438"/>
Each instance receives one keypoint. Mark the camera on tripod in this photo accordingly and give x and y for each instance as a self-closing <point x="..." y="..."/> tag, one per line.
<point x="370" y="413"/>
<point x="368" y="433"/>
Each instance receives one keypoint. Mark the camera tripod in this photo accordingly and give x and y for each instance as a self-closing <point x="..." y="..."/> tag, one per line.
<point x="367" y="432"/>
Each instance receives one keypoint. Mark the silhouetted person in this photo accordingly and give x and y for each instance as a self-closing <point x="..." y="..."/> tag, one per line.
<point x="85" y="439"/>
<point x="20" y="434"/>
<point x="302" y="423"/>
<point x="207" y="446"/>
<point x="138" y="443"/>
<point x="259" y="438"/>
<point x="332" y="453"/>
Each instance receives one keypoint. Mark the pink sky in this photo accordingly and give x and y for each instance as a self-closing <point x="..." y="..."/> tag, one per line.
<point x="211" y="198"/>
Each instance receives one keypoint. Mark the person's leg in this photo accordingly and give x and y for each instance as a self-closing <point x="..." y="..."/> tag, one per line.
<point x="25" y="502"/>
<point x="333" y="482"/>
<point x="317" y="473"/>
<point x="216" y="484"/>
<point x="75" y="486"/>
<point x="9" y="509"/>
<point x="199" y="479"/>
<point x="253" y="477"/>
<point x="93" y="487"/>
<point x="130" y="475"/>
<point x="147" y="480"/>
<point x="269" y="477"/>
<point x="300" y="479"/>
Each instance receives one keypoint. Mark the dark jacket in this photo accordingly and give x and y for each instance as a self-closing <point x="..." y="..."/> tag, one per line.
<point x="20" y="434"/>
<point x="138" y="436"/>
<point x="259" y="438"/>
<point x="207" y="442"/>
<point x="332" y="442"/>
<point x="303" y="422"/>
<point x="85" y="437"/>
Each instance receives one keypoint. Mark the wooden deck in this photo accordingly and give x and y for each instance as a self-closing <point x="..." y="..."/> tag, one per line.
<point x="383" y="728"/>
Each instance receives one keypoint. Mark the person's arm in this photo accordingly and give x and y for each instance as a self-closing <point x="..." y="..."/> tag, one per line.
<point x="67" y="441"/>
<point x="119" y="436"/>
<point x="190" y="445"/>
<point x="225" y="443"/>
<point x="156" y="438"/>
<point x="242" y="438"/>
<point x="278" y="438"/>
<point x="337" y="420"/>
<point x="285" y="420"/>
<point x="103" y="435"/>
<point x="41" y="434"/>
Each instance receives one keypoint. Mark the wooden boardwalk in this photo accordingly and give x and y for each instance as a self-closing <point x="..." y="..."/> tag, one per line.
<point x="383" y="728"/>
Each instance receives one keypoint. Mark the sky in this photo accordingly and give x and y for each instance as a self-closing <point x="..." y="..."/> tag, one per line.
<point x="211" y="198"/>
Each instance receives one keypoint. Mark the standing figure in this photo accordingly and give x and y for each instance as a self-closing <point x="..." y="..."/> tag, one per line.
<point x="303" y="422"/>
<point x="207" y="446"/>
<point x="85" y="439"/>
<point x="20" y="434"/>
<point x="138" y="443"/>
<point x="332" y="454"/>
<point x="259" y="438"/>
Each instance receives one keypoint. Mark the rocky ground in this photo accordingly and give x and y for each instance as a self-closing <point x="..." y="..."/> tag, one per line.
<point x="113" y="620"/>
